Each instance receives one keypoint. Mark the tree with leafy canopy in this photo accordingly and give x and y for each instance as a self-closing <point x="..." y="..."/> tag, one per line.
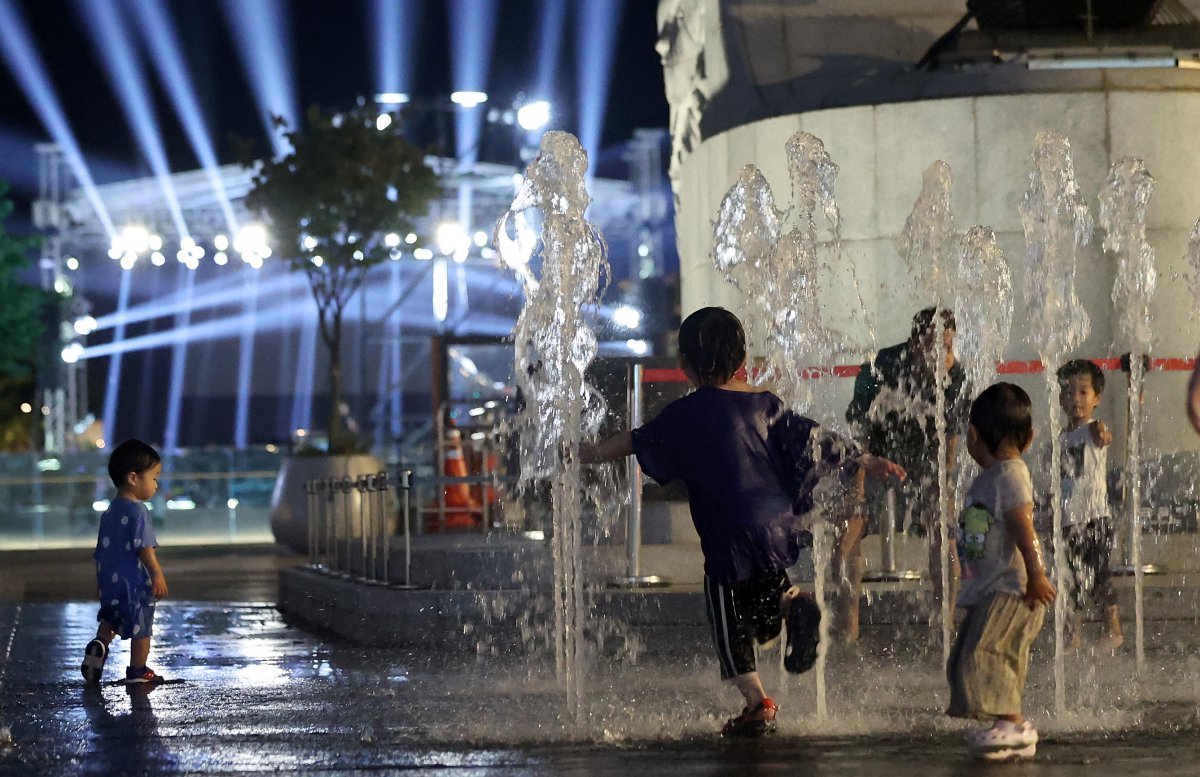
<point x="329" y="204"/>
<point x="20" y="331"/>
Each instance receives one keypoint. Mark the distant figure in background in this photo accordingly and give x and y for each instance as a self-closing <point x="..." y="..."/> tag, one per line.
<point x="1087" y="527"/>
<point x="128" y="576"/>
<point x="1193" y="396"/>
<point x="750" y="466"/>
<point x="894" y="409"/>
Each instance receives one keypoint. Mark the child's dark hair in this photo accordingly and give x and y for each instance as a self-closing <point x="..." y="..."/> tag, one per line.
<point x="1003" y="413"/>
<point x="1081" y="367"/>
<point x="713" y="343"/>
<point x="130" y="456"/>
<point x="923" y="326"/>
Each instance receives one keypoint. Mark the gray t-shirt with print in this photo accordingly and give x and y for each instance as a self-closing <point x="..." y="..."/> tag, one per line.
<point x="990" y="559"/>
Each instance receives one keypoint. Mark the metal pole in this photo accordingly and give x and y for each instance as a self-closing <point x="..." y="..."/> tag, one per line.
<point x="379" y="521"/>
<point x="634" y="539"/>
<point x="331" y="486"/>
<point x="406" y="490"/>
<point x="887" y="538"/>
<point x="347" y="502"/>
<point x="633" y="536"/>
<point x="366" y="503"/>
<point x="310" y="494"/>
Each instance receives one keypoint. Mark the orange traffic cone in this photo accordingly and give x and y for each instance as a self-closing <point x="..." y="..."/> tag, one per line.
<point x="462" y="512"/>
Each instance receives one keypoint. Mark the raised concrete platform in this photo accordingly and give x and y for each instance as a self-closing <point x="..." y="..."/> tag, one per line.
<point x="495" y="588"/>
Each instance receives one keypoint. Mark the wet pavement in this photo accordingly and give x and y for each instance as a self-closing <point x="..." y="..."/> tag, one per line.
<point x="262" y="695"/>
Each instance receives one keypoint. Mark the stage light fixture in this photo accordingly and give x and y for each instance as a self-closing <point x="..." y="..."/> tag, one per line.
<point x="638" y="347"/>
<point x="534" y="115"/>
<point x="391" y="98"/>
<point x="451" y="238"/>
<point x="221" y="243"/>
<point x="71" y="353"/>
<point x="157" y="259"/>
<point x="220" y="258"/>
<point x="468" y="99"/>
<point x="424" y="254"/>
<point x="84" y="326"/>
<point x="627" y="316"/>
<point x="410" y="238"/>
<point x="391" y="240"/>
<point x="72" y="263"/>
<point x="134" y="239"/>
<point x="128" y="261"/>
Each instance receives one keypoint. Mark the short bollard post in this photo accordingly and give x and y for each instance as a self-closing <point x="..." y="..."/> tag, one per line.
<point x="364" y="508"/>
<point x="405" y="486"/>
<point x="310" y="490"/>
<point x="318" y="528"/>
<point x="331" y="486"/>
<point x="383" y="483"/>
<point x="344" y="524"/>
<point x="372" y="563"/>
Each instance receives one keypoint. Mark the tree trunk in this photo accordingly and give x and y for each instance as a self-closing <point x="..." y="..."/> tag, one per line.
<point x="337" y="433"/>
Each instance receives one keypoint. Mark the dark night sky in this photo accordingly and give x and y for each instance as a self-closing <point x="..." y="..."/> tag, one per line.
<point x="332" y="65"/>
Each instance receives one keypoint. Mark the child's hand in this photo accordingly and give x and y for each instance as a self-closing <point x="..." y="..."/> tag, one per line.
<point x="881" y="468"/>
<point x="1039" y="591"/>
<point x="1100" y="434"/>
<point x="158" y="586"/>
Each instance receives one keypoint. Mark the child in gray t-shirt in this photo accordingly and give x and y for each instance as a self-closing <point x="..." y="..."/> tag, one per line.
<point x="1004" y="585"/>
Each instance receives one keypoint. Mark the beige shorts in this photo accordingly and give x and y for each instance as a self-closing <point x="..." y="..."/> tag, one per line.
<point x="990" y="657"/>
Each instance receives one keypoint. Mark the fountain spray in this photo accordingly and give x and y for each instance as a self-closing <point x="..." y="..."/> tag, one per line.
<point x="927" y="247"/>
<point x="553" y="346"/>
<point x="1057" y="226"/>
<point x="1123" y="202"/>
<point x="772" y="258"/>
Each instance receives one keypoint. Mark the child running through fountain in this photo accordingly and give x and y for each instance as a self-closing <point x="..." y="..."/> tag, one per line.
<point x="750" y="466"/>
<point x="1004" y="585"/>
<point x="1087" y="529"/>
<point x="128" y="576"/>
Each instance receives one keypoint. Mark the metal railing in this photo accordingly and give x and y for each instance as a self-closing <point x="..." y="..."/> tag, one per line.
<point x="350" y="526"/>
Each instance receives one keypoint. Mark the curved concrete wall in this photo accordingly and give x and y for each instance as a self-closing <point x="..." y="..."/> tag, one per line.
<point x="882" y="151"/>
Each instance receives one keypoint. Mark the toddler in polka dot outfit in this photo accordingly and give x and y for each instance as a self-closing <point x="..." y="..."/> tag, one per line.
<point x="128" y="576"/>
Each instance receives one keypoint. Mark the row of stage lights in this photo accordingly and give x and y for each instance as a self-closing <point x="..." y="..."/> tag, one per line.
<point x="529" y="115"/>
<point x="134" y="242"/>
<point x="250" y="243"/>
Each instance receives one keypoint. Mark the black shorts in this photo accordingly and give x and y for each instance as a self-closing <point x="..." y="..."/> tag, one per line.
<point x="1089" y="547"/>
<point x="742" y="614"/>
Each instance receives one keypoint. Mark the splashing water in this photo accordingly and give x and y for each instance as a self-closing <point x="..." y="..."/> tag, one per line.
<point x="552" y="348"/>
<point x="772" y="258"/>
<point x="779" y="271"/>
<point x="1193" y="274"/>
<point x="1057" y="226"/>
<point x="926" y="245"/>
<point x="1123" y="202"/>
<point x="927" y="242"/>
<point x="983" y="305"/>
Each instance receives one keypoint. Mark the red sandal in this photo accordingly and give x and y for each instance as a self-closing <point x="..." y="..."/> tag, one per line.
<point x="753" y="722"/>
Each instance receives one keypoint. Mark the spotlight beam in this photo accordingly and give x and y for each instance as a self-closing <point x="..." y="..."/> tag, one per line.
<point x="112" y="385"/>
<point x="164" y="46"/>
<point x="128" y="80"/>
<point x="261" y="31"/>
<point x="394" y="27"/>
<point x="241" y="421"/>
<point x="281" y="317"/>
<point x="550" y="32"/>
<point x="210" y="295"/>
<point x="473" y="31"/>
<point x="595" y="38"/>
<point x="179" y="352"/>
<point x="16" y="44"/>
